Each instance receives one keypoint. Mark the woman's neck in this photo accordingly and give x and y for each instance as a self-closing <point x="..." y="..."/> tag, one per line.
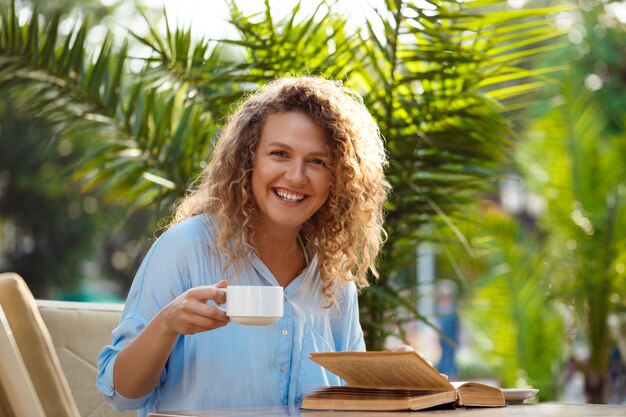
<point x="282" y="253"/>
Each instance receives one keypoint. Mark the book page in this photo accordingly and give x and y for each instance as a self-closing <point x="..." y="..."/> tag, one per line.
<point x="346" y="398"/>
<point x="406" y="370"/>
<point x="478" y="394"/>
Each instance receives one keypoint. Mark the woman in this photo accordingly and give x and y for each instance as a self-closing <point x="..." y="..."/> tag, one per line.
<point x="293" y="196"/>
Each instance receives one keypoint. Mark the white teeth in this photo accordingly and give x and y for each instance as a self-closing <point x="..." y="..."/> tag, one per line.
<point x="292" y="198"/>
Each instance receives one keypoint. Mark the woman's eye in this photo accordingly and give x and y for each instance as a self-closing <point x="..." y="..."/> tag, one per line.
<point x="280" y="154"/>
<point x="319" y="162"/>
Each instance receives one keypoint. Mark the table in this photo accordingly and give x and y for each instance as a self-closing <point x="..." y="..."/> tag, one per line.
<point x="524" y="410"/>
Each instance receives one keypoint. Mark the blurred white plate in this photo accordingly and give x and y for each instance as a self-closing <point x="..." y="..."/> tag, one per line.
<point x="253" y="320"/>
<point x="518" y="395"/>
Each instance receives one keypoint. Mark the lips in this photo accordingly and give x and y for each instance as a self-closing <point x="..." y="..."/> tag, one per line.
<point x="289" y="196"/>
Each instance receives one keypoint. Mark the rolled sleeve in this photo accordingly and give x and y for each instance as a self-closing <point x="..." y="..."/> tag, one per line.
<point x="122" y="336"/>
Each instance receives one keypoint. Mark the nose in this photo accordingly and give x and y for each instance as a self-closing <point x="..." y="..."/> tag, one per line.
<point x="296" y="172"/>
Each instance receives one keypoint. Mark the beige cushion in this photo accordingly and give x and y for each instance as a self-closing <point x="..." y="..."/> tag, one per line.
<point x="79" y="332"/>
<point x="17" y="393"/>
<point x="35" y="345"/>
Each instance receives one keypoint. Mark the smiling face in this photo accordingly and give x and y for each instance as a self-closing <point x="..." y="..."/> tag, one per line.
<point x="290" y="179"/>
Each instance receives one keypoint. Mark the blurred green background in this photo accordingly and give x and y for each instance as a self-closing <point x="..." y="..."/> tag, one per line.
<point x="504" y="123"/>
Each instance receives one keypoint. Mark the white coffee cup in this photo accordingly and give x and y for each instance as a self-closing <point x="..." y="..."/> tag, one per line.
<point x="250" y="305"/>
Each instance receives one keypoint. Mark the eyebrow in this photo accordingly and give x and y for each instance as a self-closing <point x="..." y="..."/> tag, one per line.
<point x="324" y="153"/>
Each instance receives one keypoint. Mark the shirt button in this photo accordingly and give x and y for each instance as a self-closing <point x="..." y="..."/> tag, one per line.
<point x="284" y="332"/>
<point x="283" y="369"/>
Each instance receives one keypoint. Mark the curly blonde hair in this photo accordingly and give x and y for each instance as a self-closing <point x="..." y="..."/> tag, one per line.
<point x="346" y="233"/>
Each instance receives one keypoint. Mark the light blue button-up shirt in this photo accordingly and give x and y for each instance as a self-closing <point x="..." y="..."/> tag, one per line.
<point x="233" y="366"/>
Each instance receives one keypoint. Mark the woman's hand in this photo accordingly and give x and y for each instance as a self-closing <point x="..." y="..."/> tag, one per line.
<point x="403" y="348"/>
<point x="190" y="314"/>
<point x="138" y="366"/>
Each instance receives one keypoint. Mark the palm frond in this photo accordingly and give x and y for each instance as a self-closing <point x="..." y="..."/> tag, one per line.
<point x="315" y="44"/>
<point x="431" y="77"/>
<point x="436" y="76"/>
<point x="138" y="138"/>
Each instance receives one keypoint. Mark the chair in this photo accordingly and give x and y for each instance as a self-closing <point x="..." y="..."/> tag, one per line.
<point x="79" y="330"/>
<point x="17" y="393"/>
<point x="34" y="344"/>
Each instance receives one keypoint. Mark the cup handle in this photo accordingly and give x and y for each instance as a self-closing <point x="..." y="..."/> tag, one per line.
<point x="225" y="290"/>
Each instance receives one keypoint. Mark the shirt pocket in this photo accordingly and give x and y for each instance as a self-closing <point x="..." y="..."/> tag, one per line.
<point x="311" y="375"/>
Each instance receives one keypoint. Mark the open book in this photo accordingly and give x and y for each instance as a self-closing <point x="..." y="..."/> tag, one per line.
<point x="393" y="381"/>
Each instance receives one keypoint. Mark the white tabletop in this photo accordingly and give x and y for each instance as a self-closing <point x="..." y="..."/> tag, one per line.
<point x="524" y="410"/>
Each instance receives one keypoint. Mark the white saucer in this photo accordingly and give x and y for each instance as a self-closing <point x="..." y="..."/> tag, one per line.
<point x="253" y="320"/>
<point x="518" y="395"/>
